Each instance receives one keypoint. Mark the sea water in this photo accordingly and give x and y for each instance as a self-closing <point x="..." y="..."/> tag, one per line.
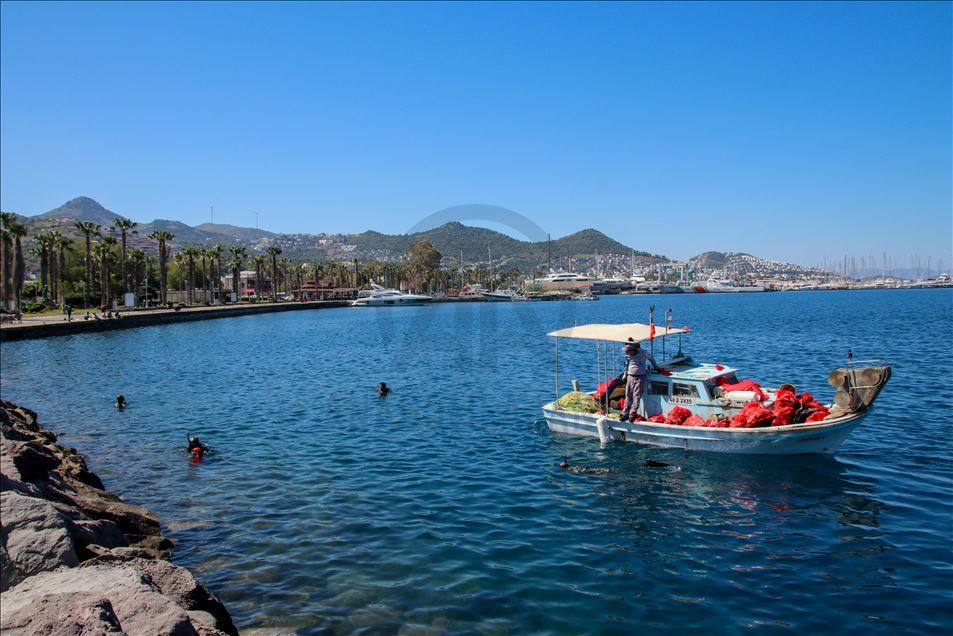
<point x="441" y="508"/>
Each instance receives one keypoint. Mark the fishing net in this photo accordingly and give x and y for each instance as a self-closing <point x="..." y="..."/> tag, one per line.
<point x="579" y="402"/>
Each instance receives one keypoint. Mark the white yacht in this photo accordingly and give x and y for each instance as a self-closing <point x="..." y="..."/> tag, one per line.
<point x="564" y="280"/>
<point x="379" y="296"/>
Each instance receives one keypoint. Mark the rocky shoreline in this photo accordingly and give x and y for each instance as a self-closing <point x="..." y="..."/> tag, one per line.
<point x="76" y="559"/>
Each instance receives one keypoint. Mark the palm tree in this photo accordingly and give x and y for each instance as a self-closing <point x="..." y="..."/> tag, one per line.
<point x="88" y="228"/>
<point x="259" y="261"/>
<point x="239" y="253"/>
<point x="60" y="245"/>
<point x="137" y="259"/>
<point x="274" y="250"/>
<point x="188" y="255"/>
<point x="42" y="246"/>
<point x="124" y="224"/>
<point x="17" y="232"/>
<point x="6" y="257"/>
<point x="162" y="237"/>
<point x="215" y="253"/>
<point x="104" y="253"/>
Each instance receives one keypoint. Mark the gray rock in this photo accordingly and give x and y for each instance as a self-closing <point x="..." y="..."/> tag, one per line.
<point x="176" y="583"/>
<point x="82" y="614"/>
<point x="101" y="532"/>
<point x="34" y="538"/>
<point x="138" y="606"/>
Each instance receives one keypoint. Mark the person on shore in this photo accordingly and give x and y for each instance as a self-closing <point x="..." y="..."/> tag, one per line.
<point x="383" y="390"/>
<point x="116" y="315"/>
<point x="69" y="313"/>
<point x="87" y="316"/>
<point x="120" y="402"/>
<point x="635" y="368"/>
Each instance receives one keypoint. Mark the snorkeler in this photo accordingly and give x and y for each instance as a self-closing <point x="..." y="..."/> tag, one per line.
<point x="121" y="402"/>
<point x="196" y="448"/>
<point x="383" y="389"/>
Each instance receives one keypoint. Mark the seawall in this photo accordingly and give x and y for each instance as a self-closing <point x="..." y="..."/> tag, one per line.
<point x="77" y="559"/>
<point x="47" y="326"/>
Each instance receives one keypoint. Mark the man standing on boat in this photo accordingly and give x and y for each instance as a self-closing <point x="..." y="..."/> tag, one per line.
<point x="635" y="369"/>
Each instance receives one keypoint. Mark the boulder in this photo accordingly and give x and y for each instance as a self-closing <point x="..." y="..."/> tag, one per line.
<point x="33" y="461"/>
<point x="176" y="583"/>
<point x="138" y="606"/>
<point x="101" y="532"/>
<point x="134" y="521"/>
<point x="75" y="614"/>
<point x="35" y="538"/>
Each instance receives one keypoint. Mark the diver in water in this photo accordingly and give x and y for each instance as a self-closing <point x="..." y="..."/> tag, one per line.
<point x="382" y="389"/>
<point x="121" y="402"/>
<point x="196" y="448"/>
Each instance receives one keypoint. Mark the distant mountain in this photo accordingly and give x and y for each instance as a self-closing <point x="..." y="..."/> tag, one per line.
<point x="478" y="244"/>
<point x="453" y="240"/>
<point x="81" y="209"/>
<point x="742" y="264"/>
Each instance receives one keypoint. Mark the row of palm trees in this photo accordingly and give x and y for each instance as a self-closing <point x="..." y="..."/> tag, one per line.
<point x="204" y="266"/>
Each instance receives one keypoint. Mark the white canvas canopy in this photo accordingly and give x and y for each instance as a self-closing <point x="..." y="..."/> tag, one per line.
<point x="635" y="331"/>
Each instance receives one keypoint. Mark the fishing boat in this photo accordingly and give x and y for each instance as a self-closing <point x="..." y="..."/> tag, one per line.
<point x="700" y="389"/>
<point x="503" y="295"/>
<point x="378" y="296"/>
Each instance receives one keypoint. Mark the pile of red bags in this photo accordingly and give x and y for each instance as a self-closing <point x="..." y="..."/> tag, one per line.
<point x="678" y="415"/>
<point x="788" y="408"/>
<point x="753" y="415"/>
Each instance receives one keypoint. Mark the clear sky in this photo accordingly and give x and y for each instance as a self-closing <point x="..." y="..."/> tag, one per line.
<point x="791" y="131"/>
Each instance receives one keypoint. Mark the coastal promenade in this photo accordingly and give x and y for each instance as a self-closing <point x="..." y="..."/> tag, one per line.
<point x="43" y="326"/>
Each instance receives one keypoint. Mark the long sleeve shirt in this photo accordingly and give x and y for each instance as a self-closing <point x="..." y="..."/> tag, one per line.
<point x="637" y="363"/>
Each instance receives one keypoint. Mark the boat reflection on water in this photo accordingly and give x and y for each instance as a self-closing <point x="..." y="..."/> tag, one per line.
<point x="732" y="521"/>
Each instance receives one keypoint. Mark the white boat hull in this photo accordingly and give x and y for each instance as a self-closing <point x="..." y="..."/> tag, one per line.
<point x="384" y="302"/>
<point x="797" y="439"/>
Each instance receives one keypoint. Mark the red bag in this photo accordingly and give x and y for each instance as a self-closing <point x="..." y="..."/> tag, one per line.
<point x="817" y="416"/>
<point x="658" y="419"/>
<point x="694" y="420"/>
<point x="783" y="415"/>
<point x="639" y="418"/>
<point x="678" y="415"/>
<point x="753" y="415"/>
<point x="786" y="399"/>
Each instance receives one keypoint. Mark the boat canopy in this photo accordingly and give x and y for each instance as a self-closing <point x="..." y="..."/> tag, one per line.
<point x="617" y="333"/>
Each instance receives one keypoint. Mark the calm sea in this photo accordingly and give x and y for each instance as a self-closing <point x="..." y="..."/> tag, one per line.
<point x="441" y="509"/>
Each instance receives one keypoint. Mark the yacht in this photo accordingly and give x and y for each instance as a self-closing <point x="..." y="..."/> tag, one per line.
<point x="379" y="296"/>
<point x="723" y="286"/>
<point x="564" y="280"/>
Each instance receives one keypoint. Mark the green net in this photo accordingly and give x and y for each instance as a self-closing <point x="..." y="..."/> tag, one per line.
<point x="579" y="402"/>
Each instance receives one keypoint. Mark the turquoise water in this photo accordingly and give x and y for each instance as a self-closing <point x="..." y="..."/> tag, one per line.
<point x="441" y="509"/>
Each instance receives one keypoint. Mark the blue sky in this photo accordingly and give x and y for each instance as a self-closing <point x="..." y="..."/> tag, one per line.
<point x="791" y="131"/>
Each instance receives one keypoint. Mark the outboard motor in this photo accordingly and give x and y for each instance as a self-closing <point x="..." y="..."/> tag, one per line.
<point x="857" y="387"/>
